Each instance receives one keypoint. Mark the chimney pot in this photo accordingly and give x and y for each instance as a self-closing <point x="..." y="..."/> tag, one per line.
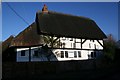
<point x="44" y="9"/>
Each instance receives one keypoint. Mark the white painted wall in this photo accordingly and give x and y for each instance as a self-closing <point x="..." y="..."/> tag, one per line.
<point x="68" y="43"/>
<point x="88" y="44"/>
<point x="20" y="58"/>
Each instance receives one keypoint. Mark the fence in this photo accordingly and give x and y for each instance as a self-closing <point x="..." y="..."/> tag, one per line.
<point x="34" y="69"/>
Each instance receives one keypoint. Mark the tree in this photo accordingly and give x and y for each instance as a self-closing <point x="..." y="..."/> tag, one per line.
<point x="52" y="41"/>
<point x="109" y="47"/>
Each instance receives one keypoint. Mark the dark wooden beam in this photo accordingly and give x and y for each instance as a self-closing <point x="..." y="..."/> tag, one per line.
<point x="100" y="43"/>
<point x="74" y="45"/>
<point x="83" y="41"/>
<point x="77" y="49"/>
<point x="29" y="54"/>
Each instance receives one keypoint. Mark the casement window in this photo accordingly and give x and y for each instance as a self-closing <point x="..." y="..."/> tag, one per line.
<point x="95" y="46"/>
<point x="36" y="53"/>
<point x="66" y="54"/>
<point x="63" y="38"/>
<point x="77" y="40"/>
<point x="74" y="45"/>
<point x="63" y="44"/>
<point x="89" y="45"/>
<point x="79" y="54"/>
<point x="93" y="54"/>
<point x="71" y="54"/>
<point x="78" y="45"/>
<point x="71" y="39"/>
<point x="75" y="54"/>
<point x="71" y="45"/>
<point x="62" y="54"/>
<point x="23" y="53"/>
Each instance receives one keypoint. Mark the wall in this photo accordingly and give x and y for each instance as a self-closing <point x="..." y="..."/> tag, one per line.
<point x="84" y="54"/>
<point x="76" y="43"/>
<point x="24" y="70"/>
<point x="20" y="58"/>
<point x="88" y="46"/>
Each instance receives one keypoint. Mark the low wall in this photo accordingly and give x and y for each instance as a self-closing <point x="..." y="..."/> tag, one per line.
<point x="35" y="69"/>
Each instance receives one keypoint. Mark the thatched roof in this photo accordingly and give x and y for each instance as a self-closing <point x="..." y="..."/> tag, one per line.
<point x="27" y="37"/>
<point x="6" y="44"/>
<point x="58" y="24"/>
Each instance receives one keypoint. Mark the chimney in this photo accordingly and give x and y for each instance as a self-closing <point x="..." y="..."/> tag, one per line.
<point x="44" y="9"/>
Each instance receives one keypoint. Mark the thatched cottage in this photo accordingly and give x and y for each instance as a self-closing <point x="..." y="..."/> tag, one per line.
<point x="56" y="37"/>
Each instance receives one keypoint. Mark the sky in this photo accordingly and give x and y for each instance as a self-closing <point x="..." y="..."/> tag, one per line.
<point x="105" y="14"/>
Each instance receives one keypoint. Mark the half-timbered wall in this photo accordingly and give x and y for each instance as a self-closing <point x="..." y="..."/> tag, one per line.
<point x="73" y="49"/>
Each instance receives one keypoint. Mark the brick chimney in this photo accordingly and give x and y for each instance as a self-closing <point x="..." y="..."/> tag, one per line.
<point x="44" y="9"/>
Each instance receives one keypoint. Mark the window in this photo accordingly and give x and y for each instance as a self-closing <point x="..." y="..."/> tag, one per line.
<point x="23" y="53"/>
<point x="75" y="54"/>
<point x="58" y="54"/>
<point x="71" y="54"/>
<point x="89" y="45"/>
<point x="78" y="45"/>
<point x="92" y="54"/>
<point x="63" y="45"/>
<point x="68" y="39"/>
<point x="63" y="38"/>
<point x="71" y="39"/>
<point x="74" y="46"/>
<point x="79" y="54"/>
<point x="71" y="45"/>
<point x="62" y="54"/>
<point x="66" y="54"/>
<point x="95" y="46"/>
<point x="36" y="53"/>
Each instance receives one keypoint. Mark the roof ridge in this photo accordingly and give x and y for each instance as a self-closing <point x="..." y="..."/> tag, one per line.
<point x="66" y="14"/>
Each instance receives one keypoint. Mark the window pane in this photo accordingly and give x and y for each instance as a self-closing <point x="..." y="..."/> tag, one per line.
<point x="92" y="54"/>
<point x="74" y="45"/>
<point x="63" y="45"/>
<point x="78" y="45"/>
<point x="79" y="54"/>
<point x="23" y="53"/>
<point x="75" y="54"/>
<point x="62" y="54"/>
<point x="78" y="40"/>
<point x="36" y="53"/>
<point x="66" y="54"/>
<point x="89" y="45"/>
<point x="95" y="46"/>
<point x="71" y="39"/>
<point x="71" y="54"/>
